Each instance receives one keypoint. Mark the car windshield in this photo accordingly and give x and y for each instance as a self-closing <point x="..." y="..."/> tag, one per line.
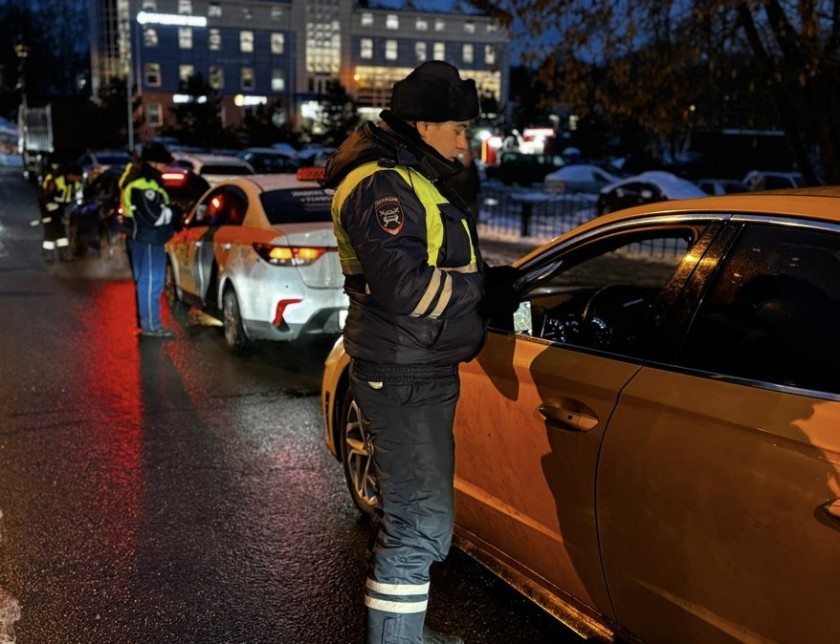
<point x="229" y="170"/>
<point x="296" y="205"/>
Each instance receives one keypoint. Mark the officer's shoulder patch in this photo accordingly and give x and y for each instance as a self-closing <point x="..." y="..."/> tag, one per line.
<point x="389" y="214"/>
<point x="149" y="194"/>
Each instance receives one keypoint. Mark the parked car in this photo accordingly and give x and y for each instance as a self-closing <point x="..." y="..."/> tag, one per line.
<point x="721" y="186"/>
<point x="269" y="160"/>
<point x="579" y="177"/>
<point x="259" y="253"/>
<point x="94" y="223"/>
<point x="184" y="187"/>
<point x="648" y="446"/>
<point x="524" y="169"/>
<point x="215" y="168"/>
<point x="770" y="180"/>
<point x="96" y="162"/>
<point x="648" y="187"/>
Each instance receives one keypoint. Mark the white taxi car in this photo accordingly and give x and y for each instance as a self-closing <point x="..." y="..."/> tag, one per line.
<point x="259" y="253"/>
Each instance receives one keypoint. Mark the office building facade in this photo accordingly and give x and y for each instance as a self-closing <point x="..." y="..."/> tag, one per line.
<point x="286" y="53"/>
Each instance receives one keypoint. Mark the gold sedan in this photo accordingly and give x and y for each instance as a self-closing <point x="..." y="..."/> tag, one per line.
<point x="650" y="446"/>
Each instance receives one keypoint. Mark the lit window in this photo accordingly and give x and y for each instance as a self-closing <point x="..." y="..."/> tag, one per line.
<point x="214" y="10"/>
<point x="278" y="42"/>
<point x="150" y="37"/>
<point x="246" y="41"/>
<point x="422" y="24"/>
<point x="154" y="113"/>
<point x="278" y="80"/>
<point x="366" y="48"/>
<point x="392" y="21"/>
<point x="247" y="78"/>
<point x="467" y="52"/>
<point x="276" y="13"/>
<point x="149" y="5"/>
<point x="440" y="25"/>
<point x="217" y="77"/>
<point x="420" y="51"/>
<point x="469" y="27"/>
<point x="440" y="51"/>
<point x="492" y="27"/>
<point x="390" y="50"/>
<point x="185" y="7"/>
<point x="247" y="14"/>
<point x="152" y="74"/>
<point x="185" y="37"/>
<point x="490" y="54"/>
<point x="367" y="19"/>
<point x="214" y="39"/>
<point x="185" y="72"/>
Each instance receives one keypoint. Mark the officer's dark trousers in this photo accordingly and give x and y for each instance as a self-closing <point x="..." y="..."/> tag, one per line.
<point x="414" y="460"/>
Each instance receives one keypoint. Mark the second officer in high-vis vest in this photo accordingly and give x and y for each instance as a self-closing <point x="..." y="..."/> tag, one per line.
<point x="415" y="281"/>
<point x="58" y="189"/>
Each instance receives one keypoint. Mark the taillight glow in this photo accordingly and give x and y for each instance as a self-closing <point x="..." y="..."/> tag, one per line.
<point x="291" y="255"/>
<point x="170" y="177"/>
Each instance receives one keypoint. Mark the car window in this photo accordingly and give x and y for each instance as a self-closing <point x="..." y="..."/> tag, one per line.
<point x="223" y="207"/>
<point x="606" y="294"/>
<point x="296" y="205"/>
<point x="225" y="169"/>
<point x="773" y="310"/>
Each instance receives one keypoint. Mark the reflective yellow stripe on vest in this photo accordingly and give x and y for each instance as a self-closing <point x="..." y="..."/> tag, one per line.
<point x="141" y="183"/>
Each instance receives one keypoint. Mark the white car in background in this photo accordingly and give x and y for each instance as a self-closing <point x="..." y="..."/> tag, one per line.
<point x="214" y="168"/>
<point x="579" y="177"/>
<point x="259" y="254"/>
<point x="648" y="187"/>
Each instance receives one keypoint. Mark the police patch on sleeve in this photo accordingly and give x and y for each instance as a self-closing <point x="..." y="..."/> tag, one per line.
<point x="389" y="214"/>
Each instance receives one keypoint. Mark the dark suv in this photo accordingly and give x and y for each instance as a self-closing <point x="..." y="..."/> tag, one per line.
<point x="524" y="169"/>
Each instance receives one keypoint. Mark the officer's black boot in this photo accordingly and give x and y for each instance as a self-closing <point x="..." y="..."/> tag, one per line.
<point x="431" y="636"/>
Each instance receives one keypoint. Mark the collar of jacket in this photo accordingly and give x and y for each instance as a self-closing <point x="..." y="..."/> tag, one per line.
<point x="395" y="143"/>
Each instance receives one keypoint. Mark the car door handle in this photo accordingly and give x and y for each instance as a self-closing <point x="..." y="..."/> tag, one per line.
<point x="226" y="246"/>
<point x="569" y="415"/>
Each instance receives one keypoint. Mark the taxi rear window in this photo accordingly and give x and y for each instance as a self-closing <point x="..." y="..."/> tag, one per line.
<point x="225" y="169"/>
<point x="296" y="205"/>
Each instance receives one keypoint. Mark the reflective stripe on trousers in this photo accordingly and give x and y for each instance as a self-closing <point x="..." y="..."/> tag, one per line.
<point x="414" y="460"/>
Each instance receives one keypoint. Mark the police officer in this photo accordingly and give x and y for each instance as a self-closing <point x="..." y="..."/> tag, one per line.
<point x="58" y="189"/>
<point x="415" y="280"/>
<point x="148" y="214"/>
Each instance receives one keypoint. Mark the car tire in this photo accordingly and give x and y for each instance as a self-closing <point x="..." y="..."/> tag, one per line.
<point x="173" y="293"/>
<point x="235" y="338"/>
<point x="357" y="457"/>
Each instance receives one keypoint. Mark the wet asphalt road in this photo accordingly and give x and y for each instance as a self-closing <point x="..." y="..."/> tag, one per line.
<point x="164" y="491"/>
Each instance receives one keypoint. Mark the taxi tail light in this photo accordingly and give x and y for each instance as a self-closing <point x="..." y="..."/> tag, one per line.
<point x="174" y="177"/>
<point x="281" y="310"/>
<point x="291" y="255"/>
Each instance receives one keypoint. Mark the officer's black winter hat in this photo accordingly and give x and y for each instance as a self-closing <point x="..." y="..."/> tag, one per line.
<point x="435" y="92"/>
<point x="156" y="153"/>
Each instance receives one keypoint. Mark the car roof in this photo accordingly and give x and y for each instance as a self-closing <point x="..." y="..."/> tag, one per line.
<point x="821" y="203"/>
<point x="675" y="187"/>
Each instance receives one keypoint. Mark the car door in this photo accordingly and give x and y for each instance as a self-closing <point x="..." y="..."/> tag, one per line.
<point x="184" y="246"/>
<point x="718" y="484"/>
<point x="225" y="211"/>
<point x="536" y="402"/>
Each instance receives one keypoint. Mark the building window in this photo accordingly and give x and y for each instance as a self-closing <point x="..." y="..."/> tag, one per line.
<point x="150" y="37"/>
<point x="248" y="78"/>
<point x="440" y="25"/>
<point x="420" y="51"/>
<point x="154" y="114"/>
<point x="185" y="7"/>
<point x="217" y="77"/>
<point x="490" y="54"/>
<point x="246" y="41"/>
<point x="366" y="48"/>
<point x="492" y="27"/>
<point x="149" y="5"/>
<point x="214" y="10"/>
<point x="247" y="13"/>
<point x="367" y="19"/>
<point x="278" y="80"/>
<point x="469" y="27"/>
<point x="440" y="51"/>
<point x="185" y="72"/>
<point x="152" y="74"/>
<point x="467" y="52"/>
<point x="214" y="39"/>
<point x="276" y="13"/>
<point x="392" y="21"/>
<point x="390" y="50"/>
<point x="185" y="37"/>
<point x="278" y="42"/>
<point x="422" y="24"/>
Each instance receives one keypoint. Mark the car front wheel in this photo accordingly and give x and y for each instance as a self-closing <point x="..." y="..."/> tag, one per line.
<point x="235" y="338"/>
<point x="357" y="457"/>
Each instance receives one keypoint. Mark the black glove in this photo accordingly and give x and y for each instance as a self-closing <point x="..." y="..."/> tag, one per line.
<point x="500" y="297"/>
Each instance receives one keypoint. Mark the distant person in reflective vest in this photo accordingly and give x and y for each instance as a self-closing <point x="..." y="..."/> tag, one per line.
<point x="147" y="215"/>
<point x="58" y="189"/>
